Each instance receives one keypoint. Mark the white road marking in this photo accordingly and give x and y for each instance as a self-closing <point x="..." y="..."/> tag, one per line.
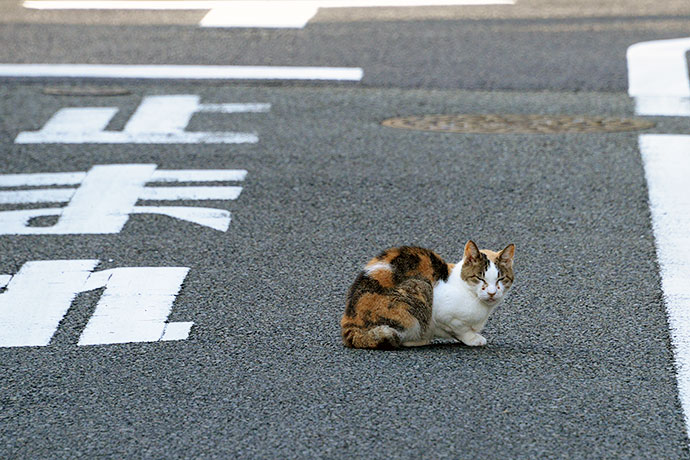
<point x="257" y="13"/>
<point x="177" y="72"/>
<point x="32" y="180"/>
<point x="217" y="219"/>
<point x="157" y="120"/>
<point x="107" y="195"/>
<point x="124" y="137"/>
<point x="37" y="298"/>
<point x="667" y="168"/>
<point x="276" y="15"/>
<point x="163" y="114"/>
<point x="190" y="193"/>
<point x="197" y="175"/>
<point x="235" y="108"/>
<point x="133" y="308"/>
<point x="101" y="198"/>
<point x="58" y="195"/>
<point x="658" y="77"/>
<point x="211" y="4"/>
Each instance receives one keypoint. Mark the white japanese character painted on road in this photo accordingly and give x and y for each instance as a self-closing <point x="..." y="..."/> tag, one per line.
<point x="134" y="306"/>
<point x="106" y="196"/>
<point x="157" y="120"/>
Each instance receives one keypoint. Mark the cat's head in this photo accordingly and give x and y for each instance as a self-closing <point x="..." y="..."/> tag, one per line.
<point x="489" y="274"/>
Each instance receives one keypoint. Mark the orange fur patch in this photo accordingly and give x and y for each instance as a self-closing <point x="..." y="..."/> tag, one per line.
<point x="393" y="293"/>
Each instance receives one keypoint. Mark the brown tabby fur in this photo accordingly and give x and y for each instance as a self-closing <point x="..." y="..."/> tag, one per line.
<point x="400" y="298"/>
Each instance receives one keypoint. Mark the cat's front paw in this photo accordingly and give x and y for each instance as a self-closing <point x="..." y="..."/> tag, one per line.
<point x="474" y="340"/>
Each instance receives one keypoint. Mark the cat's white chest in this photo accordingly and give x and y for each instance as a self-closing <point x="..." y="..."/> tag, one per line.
<point x="456" y="310"/>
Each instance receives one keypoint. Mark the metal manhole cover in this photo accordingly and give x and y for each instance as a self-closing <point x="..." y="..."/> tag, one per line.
<point x="85" y="91"/>
<point x="518" y="124"/>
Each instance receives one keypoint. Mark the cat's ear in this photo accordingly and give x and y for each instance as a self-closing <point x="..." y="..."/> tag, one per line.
<point x="471" y="252"/>
<point x="505" y="257"/>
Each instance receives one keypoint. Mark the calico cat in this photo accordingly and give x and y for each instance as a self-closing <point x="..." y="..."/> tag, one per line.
<point x="407" y="296"/>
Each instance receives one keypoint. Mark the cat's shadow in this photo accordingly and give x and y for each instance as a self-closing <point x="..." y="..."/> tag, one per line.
<point x="492" y="348"/>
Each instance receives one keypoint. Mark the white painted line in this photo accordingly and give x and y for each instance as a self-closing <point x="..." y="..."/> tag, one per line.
<point x="235" y="108"/>
<point x="217" y="219"/>
<point x="37" y="298"/>
<point x="32" y="180"/>
<point x="290" y="15"/>
<point x="190" y="193"/>
<point x="198" y="175"/>
<point x="658" y="77"/>
<point x="257" y="13"/>
<point x="176" y="72"/>
<point x="56" y="195"/>
<point x="123" y="137"/>
<point x="121" y="5"/>
<point x="667" y="168"/>
<point x="209" y="5"/>
<point x="135" y="307"/>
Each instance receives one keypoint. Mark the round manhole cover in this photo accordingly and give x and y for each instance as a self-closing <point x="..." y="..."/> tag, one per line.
<point x="518" y="124"/>
<point x="86" y="91"/>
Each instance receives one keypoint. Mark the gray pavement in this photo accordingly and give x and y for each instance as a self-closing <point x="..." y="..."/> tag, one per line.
<point x="579" y="361"/>
<point x="534" y="45"/>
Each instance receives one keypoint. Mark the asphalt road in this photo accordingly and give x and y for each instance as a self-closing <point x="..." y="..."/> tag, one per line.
<point x="579" y="362"/>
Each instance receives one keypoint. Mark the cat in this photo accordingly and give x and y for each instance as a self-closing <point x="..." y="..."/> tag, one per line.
<point x="407" y="296"/>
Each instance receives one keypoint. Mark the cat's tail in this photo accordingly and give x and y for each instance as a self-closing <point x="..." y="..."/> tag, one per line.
<point x="379" y="337"/>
